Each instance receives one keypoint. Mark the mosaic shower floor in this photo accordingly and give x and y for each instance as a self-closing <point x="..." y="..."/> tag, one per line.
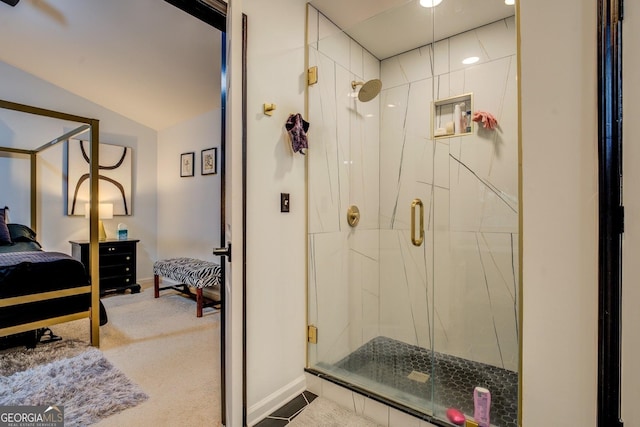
<point x="408" y="369"/>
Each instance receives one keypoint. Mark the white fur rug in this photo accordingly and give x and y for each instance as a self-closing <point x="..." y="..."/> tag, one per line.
<point x="70" y="375"/>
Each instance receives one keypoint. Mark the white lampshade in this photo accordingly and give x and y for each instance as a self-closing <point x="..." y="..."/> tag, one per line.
<point x="105" y="210"/>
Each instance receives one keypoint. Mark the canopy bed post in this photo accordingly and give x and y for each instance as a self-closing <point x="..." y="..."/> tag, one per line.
<point x="9" y="303"/>
<point x="33" y="159"/>
<point x="93" y="234"/>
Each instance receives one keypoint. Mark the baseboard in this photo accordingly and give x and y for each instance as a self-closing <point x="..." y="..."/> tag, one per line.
<point x="275" y="400"/>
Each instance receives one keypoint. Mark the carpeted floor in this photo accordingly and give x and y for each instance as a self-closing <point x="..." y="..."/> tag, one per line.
<point x="161" y="346"/>
<point x="172" y="354"/>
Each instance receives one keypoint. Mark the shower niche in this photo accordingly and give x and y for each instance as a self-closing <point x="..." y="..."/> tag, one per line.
<point x="416" y="323"/>
<point x="452" y="116"/>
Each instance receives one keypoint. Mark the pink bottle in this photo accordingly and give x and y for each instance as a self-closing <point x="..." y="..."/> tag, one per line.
<point x="482" y="406"/>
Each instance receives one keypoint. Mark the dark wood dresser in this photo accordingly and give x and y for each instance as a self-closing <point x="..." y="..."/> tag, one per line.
<point x="117" y="263"/>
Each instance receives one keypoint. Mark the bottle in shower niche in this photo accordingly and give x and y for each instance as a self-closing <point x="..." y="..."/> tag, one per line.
<point x="457" y="117"/>
<point x="481" y="406"/>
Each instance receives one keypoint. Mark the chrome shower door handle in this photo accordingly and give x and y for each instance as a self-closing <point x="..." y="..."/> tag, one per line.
<point x="417" y="241"/>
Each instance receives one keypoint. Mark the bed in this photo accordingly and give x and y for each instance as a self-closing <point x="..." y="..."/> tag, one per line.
<point x="39" y="289"/>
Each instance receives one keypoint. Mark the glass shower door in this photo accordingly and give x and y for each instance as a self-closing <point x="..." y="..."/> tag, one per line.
<point x="370" y="282"/>
<point x="475" y="304"/>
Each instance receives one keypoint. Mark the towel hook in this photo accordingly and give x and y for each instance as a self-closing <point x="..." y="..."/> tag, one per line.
<point x="269" y="109"/>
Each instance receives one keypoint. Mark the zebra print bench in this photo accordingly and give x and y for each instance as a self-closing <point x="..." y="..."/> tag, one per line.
<point x="189" y="272"/>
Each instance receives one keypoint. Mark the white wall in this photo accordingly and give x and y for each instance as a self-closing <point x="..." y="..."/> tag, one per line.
<point x="631" y="196"/>
<point x="559" y="196"/>
<point x="188" y="207"/>
<point x="276" y="251"/>
<point x="56" y="229"/>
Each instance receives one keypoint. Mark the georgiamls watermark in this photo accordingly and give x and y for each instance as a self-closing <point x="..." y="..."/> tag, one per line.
<point x="32" y="416"/>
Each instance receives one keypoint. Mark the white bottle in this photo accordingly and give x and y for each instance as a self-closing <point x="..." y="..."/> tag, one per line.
<point x="457" y="116"/>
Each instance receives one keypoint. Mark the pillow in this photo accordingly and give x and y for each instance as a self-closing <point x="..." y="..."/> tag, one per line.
<point x="5" y="237"/>
<point x="21" y="233"/>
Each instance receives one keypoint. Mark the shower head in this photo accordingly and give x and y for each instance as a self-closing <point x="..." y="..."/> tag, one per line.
<point x="369" y="90"/>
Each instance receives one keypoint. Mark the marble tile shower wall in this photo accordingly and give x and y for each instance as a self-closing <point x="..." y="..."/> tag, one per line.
<point x="469" y="185"/>
<point x="370" y="280"/>
<point x="343" y="168"/>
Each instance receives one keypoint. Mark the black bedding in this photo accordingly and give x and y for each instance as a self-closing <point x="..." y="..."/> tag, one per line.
<point x="25" y="273"/>
<point x="20" y="247"/>
<point x="25" y="269"/>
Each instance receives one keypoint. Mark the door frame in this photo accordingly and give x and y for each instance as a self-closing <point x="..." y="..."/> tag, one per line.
<point x="611" y="212"/>
<point x="215" y="13"/>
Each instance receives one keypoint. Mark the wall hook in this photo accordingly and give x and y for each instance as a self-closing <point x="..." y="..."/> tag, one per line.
<point x="269" y="109"/>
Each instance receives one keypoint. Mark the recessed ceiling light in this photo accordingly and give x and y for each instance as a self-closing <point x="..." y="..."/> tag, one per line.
<point x="509" y="2"/>
<point x="391" y="105"/>
<point x="430" y="3"/>
<point x="470" y="60"/>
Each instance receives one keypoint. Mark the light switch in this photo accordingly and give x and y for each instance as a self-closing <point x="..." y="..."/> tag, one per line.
<point x="284" y="202"/>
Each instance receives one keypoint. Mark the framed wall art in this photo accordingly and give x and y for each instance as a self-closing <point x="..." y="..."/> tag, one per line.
<point x="209" y="161"/>
<point x="114" y="179"/>
<point x="186" y="164"/>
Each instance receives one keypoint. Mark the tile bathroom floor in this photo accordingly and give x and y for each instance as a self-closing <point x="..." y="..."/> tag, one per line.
<point x="410" y="369"/>
<point x="284" y="415"/>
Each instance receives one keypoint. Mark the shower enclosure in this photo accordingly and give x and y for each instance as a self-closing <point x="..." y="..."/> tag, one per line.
<point x="413" y="220"/>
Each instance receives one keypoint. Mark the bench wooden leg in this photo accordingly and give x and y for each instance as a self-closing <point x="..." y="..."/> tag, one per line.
<point x="198" y="302"/>
<point x="156" y="286"/>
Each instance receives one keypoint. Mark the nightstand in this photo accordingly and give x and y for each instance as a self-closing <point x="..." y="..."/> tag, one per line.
<point x="117" y="263"/>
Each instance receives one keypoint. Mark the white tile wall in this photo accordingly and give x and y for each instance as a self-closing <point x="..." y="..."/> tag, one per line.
<point x="313" y="22"/>
<point x="475" y="212"/>
<point x="333" y="42"/>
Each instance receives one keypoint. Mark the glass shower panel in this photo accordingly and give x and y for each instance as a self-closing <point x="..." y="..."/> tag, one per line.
<point x="417" y="316"/>
<point x="476" y="292"/>
<point x="343" y="168"/>
<point x="369" y="285"/>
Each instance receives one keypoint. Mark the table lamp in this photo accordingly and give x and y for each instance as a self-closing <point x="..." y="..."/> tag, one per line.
<point x="105" y="211"/>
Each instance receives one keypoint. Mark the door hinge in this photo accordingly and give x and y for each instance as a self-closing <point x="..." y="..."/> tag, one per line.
<point x="312" y="334"/>
<point x="312" y="75"/>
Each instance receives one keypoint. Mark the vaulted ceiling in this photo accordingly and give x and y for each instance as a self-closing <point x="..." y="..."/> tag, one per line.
<point x="144" y="59"/>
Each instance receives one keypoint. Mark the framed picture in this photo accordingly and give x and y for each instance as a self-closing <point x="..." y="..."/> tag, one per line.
<point x="209" y="161"/>
<point x="114" y="179"/>
<point x="186" y="164"/>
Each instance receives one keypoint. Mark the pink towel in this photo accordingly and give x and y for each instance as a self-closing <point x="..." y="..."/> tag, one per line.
<point x="487" y="119"/>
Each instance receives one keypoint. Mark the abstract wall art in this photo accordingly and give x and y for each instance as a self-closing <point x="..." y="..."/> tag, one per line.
<point x="114" y="178"/>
